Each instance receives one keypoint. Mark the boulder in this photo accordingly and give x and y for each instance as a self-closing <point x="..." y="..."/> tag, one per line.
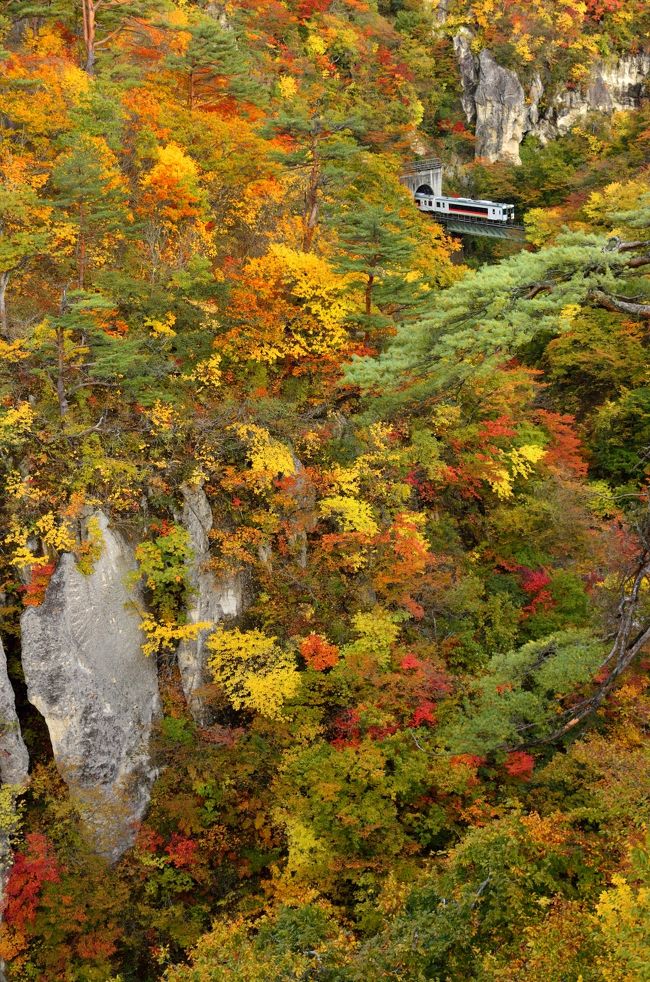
<point x="97" y="691"/>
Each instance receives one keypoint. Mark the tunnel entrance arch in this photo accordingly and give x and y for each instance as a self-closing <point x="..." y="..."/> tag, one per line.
<point x="424" y="177"/>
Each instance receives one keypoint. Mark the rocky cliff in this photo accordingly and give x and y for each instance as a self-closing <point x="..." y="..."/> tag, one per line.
<point x="212" y="601"/>
<point x="14" y="759"/>
<point x="611" y="87"/>
<point x="502" y="112"/>
<point x="98" y="693"/>
<point x="14" y="764"/>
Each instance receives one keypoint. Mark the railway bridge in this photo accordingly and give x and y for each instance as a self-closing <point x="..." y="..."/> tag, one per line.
<point x="460" y="225"/>
<point x="423" y="178"/>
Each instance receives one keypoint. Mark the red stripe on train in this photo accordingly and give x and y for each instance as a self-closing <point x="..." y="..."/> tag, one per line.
<point x="481" y="214"/>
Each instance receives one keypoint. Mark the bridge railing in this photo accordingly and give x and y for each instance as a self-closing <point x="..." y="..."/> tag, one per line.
<point x="470" y="219"/>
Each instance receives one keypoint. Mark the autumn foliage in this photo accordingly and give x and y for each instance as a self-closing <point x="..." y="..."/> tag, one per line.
<point x="424" y="465"/>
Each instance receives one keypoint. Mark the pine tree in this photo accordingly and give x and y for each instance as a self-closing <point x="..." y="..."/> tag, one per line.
<point x="213" y="66"/>
<point x="90" y="194"/>
<point x="490" y="316"/>
<point x="376" y="251"/>
<point x="325" y="141"/>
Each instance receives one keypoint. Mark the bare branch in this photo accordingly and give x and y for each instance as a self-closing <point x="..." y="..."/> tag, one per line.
<point x="629" y="246"/>
<point x="622" y="653"/>
<point x="616" y="245"/>
<point x="637" y="261"/>
<point x="618" y="305"/>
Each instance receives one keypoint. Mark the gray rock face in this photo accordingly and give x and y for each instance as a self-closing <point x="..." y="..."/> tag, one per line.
<point x="14" y="759"/>
<point x="494" y="99"/>
<point x="14" y="764"/>
<point x="626" y="79"/>
<point x="212" y="601"/>
<point x="468" y="67"/>
<point x="611" y="88"/>
<point x="98" y="693"/>
<point x="439" y="9"/>
<point x="500" y="111"/>
<point x="218" y="12"/>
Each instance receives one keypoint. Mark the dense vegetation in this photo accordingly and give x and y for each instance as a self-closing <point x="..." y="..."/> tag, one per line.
<point x="430" y="758"/>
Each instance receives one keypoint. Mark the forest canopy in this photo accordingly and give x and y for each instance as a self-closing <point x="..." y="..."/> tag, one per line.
<point x="419" y="748"/>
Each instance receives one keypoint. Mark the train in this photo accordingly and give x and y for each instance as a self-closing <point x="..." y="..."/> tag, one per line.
<point x="469" y="208"/>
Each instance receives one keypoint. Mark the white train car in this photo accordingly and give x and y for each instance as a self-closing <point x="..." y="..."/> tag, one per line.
<point x="470" y="208"/>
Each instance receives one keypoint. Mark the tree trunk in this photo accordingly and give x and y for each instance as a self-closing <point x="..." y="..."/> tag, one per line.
<point x="60" y="358"/>
<point x="4" y="321"/>
<point x="632" y="636"/>
<point x="89" y="14"/>
<point x="311" y="201"/>
<point x="81" y="250"/>
<point x="369" y="286"/>
<point x="60" y="380"/>
<point x="640" y="311"/>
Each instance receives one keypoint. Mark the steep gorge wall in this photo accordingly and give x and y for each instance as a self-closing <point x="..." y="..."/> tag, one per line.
<point x="96" y="690"/>
<point x="502" y="112"/>
<point x="14" y="759"/>
<point x="14" y="766"/>
<point x="212" y="601"/>
<point x="98" y="693"/>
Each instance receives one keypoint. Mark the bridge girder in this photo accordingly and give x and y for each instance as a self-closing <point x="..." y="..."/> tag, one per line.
<point x="462" y="226"/>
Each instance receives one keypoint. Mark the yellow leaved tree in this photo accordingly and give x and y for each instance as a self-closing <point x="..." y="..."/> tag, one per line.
<point x="267" y="457"/>
<point x="622" y="917"/>
<point x="288" y="304"/>
<point x="254" y="671"/>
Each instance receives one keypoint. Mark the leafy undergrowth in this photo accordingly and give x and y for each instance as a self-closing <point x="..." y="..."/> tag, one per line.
<point x="426" y="755"/>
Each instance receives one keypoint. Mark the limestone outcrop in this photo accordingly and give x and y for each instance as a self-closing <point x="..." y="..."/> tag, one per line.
<point x="500" y="106"/>
<point x="14" y="759"/>
<point x="98" y="693"/>
<point x="14" y="765"/>
<point x="502" y="112"/>
<point x="612" y="87"/>
<point x="493" y="100"/>
<point x="468" y="68"/>
<point x="212" y="601"/>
